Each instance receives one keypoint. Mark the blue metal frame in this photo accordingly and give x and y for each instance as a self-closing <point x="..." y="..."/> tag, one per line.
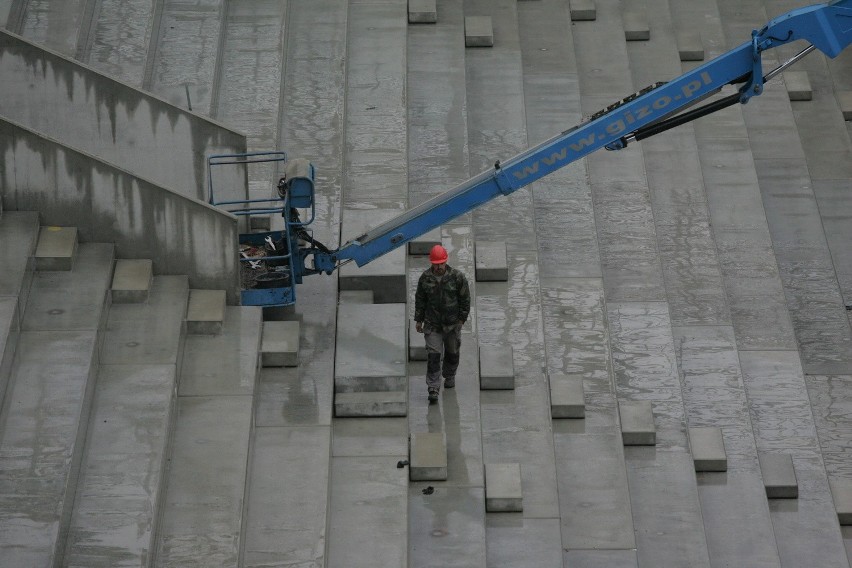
<point x="828" y="27"/>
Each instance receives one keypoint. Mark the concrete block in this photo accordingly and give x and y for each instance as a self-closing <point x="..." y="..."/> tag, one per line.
<point x="428" y="457"/>
<point x="844" y="98"/>
<point x="416" y="343"/>
<point x="841" y="492"/>
<point x="260" y="223"/>
<point x="637" y="423"/>
<point x="708" y="449"/>
<point x="356" y="297"/>
<point x="384" y="276"/>
<point x="636" y="26"/>
<point x="689" y="45"/>
<point x="478" y="31"/>
<point x="491" y="262"/>
<point x="779" y="476"/>
<point x="798" y="85"/>
<point x="496" y="367"/>
<point x="371" y="354"/>
<point x="205" y="312"/>
<point x="503" y="492"/>
<point x="422" y="12"/>
<point x="56" y="248"/>
<point x="583" y="10"/>
<point x="567" y="397"/>
<point x="279" y="344"/>
<point x="132" y="280"/>
<point x="424" y="243"/>
<point x="370" y="404"/>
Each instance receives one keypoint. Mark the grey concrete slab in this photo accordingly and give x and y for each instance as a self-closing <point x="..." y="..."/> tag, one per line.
<point x="594" y="501"/>
<point x="831" y="401"/>
<point x="121" y="27"/>
<point x="841" y="490"/>
<point x="371" y="352"/>
<point x="205" y="311"/>
<point x="424" y="243"/>
<point x="567" y="398"/>
<point x="601" y="558"/>
<point x="148" y="333"/>
<point x="666" y="510"/>
<point x="798" y="85"/>
<point x="40" y="451"/>
<point x="288" y="496"/>
<point x="491" y="262"/>
<point x="496" y="367"/>
<point x="54" y="25"/>
<point x="517" y="542"/>
<point x="707" y="445"/>
<point x="181" y="73"/>
<point x="446" y="527"/>
<point x="636" y="26"/>
<point x="224" y="364"/>
<point x="503" y="492"/>
<point x="583" y="10"/>
<point x="422" y="12"/>
<point x="385" y="276"/>
<point x="56" y="249"/>
<point x="779" y="476"/>
<point x="375" y="134"/>
<point x="427" y="457"/>
<point x="834" y="207"/>
<point x="368" y="504"/>
<point x="844" y="98"/>
<point x="478" y="31"/>
<point x="689" y="45"/>
<point x="19" y="235"/>
<point x="637" y="423"/>
<point x="71" y="300"/>
<point x="370" y="437"/>
<point x="131" y="280"/>
<point x="209" y="456"/>
<point x="279" y="345"/>
<point x="10" y="330"/>
<point x="121" y="474"/>
<point x="416" y="343"/>
<point x="359" y="404"/>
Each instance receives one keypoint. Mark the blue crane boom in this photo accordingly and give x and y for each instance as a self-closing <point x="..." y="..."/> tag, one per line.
<point x="826" y="27"/>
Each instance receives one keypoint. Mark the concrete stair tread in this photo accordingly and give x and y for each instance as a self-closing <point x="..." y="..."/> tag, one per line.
<point x="132" y="280"/>
<point x="503" y="491"/>
<point x="637" y="423"/>
<point x="478" y="31"/>
<point x="583" y="10"/>
<point x="18" y="237"/>
<point x="205" y="311"/>
<point x="708" y="449"/>
<point x="56" y="248"/>
<point x="380" y="403"/>
<point x="428" y="457"/>
<point x="280" y="344"/>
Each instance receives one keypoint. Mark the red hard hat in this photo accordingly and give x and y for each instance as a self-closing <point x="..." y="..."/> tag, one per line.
<point x="438" y="255"/>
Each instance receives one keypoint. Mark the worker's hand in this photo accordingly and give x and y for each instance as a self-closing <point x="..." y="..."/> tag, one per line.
<point x="459" y="326"/>
<point x="419" y="326"/>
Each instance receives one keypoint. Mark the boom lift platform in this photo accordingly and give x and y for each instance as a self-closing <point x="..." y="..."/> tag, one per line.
<point x="652" y="110"/>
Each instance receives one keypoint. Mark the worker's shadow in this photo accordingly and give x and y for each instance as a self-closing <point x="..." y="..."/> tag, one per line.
<point x="445" y="417"/>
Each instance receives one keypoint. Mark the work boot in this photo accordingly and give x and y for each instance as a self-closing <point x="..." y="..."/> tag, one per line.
<point x="433" y="395"/>
<point x="449" y="383"/>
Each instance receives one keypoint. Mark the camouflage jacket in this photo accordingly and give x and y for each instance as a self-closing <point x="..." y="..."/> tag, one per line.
<point x="442" y="302"/>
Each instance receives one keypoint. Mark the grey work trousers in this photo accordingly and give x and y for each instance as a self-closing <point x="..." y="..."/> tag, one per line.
<point x="440" y="343"/>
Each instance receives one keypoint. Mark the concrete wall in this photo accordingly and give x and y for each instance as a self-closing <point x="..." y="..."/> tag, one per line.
<point x="136" y="131"/>
<point x="70" y="188"/>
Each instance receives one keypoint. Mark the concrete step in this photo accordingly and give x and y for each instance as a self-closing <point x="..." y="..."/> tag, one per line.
<point x="371" y="354"/>
<point x="637" y="423"/>
<point x="636" y="26"/>
<point x="280" y="344"/>
<point x="422" y="12"/>
<point x="132" y="280"/>
<point x="496" y="367"/>
<point x="56" y="248"/>
<point x="427" y="457"/>
<point x="371" y="403"/>
<point x="211" y="445"/>
<point x="205" y="312"/>
<point x="689" y="45"/>
<point x="779" y="476"/>
<point x="423" y="244"/>
<point x="708" y="449"/>
<point x="503" y="488"/>
<point x="478" y="31"/>
<point x="583" y="10"/>
<point x="798" y="85"/>
<point x="491" y="262"/>
<point x="45" y="415"/>
<point x="567" y="398"/>
<point x="121" y="478"/>
<point x="18" y="234"/>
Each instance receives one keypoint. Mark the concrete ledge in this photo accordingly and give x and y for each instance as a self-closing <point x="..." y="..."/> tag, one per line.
<point x="567" y="398"/>
<point x="478" y="31"/>
<point x="844" y="98"/>
<point x="416" y="343"/>
<point x="424" y="243"/>
<point x="205" y="312"/>
<point x="583" y="10"/>
<point x="637" y="423"/>
<point x="636" y="26"/>
<point x="798" y="85"/>
<point x="496" y="367"/>
<point x="131" y="281"/>
<point x="422" y="12"/>
<point x="841" y="493"/>
<point x="491" y="261"/>
<point x="355" y="297"/>
<point x="56" y="248"/>
<point x="708" y="449"/>
<point x="371" y="354"/>
<point x="503" y="492"/>
<point x="428" y="457"/>
<point x="279" y="344"/>
<point x="370" y="404"/>
<point x="689" y="45"/>
<point x="779" y="476"/>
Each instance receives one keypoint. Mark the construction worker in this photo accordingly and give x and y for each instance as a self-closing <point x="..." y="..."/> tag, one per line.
<point x="441" y="306"/>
